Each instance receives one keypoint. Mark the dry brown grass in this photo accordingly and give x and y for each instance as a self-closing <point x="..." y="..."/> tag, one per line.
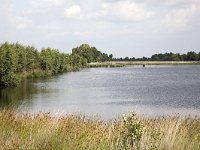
<point x="44" y="131"/>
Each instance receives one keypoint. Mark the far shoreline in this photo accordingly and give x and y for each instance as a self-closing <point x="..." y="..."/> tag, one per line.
<point x="125" y="63"/>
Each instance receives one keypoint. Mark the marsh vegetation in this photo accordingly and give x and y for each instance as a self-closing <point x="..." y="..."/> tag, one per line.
<point x="47" y="131"/>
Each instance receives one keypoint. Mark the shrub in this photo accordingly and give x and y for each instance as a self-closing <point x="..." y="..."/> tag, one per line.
<point x="132" y="129"/>
<point x="11" y="79"/>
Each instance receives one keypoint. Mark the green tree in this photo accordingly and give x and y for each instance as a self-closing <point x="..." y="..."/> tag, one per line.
<point x="199" y="56"/>
<point x="91" y="54"/>
<point x="33" y="58"/>
<point x="111" y="56"/>
<point x="17" y="61"/>
<point x="8" y="65"/>
<point x="76" y="61"/>
<point x="22" y="59"/>
<point x="191" y="56"/>
<point x="176" y="57"/>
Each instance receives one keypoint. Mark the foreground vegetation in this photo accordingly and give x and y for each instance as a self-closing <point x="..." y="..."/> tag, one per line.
<point x="44" y="131"/>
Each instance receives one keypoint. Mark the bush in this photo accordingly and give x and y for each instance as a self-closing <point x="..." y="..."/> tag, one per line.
<point x="132" y="129"/>
<point x="11" y="79"/>
<point x="36" y="74"/>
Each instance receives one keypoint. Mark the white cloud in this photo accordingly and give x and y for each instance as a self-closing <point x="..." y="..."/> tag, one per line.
<point x="84" y="34"/>
<point x="43" y="6"/>
<point x="115" y="22"/>
<point x="57" y="2"/>
<point x="21" y="22"/>
<point x="73" y="11"/>
<point x="126" y="11"/>
<point x="110" y="11"/>
<point x="179" y="19"/>
<point x="11" y="20"/>
<point x="179" y="2"/>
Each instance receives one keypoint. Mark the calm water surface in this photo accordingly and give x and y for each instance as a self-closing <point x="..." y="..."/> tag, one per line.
<point x="109" y="92"/>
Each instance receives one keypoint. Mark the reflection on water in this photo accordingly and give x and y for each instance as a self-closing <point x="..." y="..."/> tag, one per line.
<point x="153" y="90"/>
<point x="21" y="94"/>
<point x="16" y="95"/>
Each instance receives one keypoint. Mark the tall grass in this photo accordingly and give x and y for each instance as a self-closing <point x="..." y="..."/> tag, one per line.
<point x="44" y="131"/>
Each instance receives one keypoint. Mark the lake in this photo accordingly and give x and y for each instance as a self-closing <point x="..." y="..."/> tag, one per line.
<point x="109" y="92"/>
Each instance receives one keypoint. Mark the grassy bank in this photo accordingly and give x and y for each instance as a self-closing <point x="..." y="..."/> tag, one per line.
<point x="124" y="63"/>
<point x="44" y="131"/>
<point x="105" y="65"/>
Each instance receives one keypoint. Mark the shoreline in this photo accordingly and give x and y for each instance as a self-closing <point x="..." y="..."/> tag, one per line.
<point x="125" y="63"/>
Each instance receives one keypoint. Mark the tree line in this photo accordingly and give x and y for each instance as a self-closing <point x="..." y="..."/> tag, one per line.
<point x="189" y="56"/>
<point x="18" y="62"/>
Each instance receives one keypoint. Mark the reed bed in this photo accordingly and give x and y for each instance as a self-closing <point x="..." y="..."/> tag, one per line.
<point x="74" y="132"/>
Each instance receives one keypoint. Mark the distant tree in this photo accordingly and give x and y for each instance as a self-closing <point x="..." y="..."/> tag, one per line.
<point x="111" y="56"/>
<point x="126" y="59"/>
<point x="184" y="57"/>
<point x="155" y="57"/>
<point x="176" y="57"/>
<point x="96" y="54"/>
<point x="191" y="56"/>
<point x="91" y="54"/>
<point x="84" y="51"/>
<point x="199" y="56"/>
<point x="144" y="58"/>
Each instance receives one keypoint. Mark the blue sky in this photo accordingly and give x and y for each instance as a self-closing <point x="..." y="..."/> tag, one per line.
<point x="133" y="28"/>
